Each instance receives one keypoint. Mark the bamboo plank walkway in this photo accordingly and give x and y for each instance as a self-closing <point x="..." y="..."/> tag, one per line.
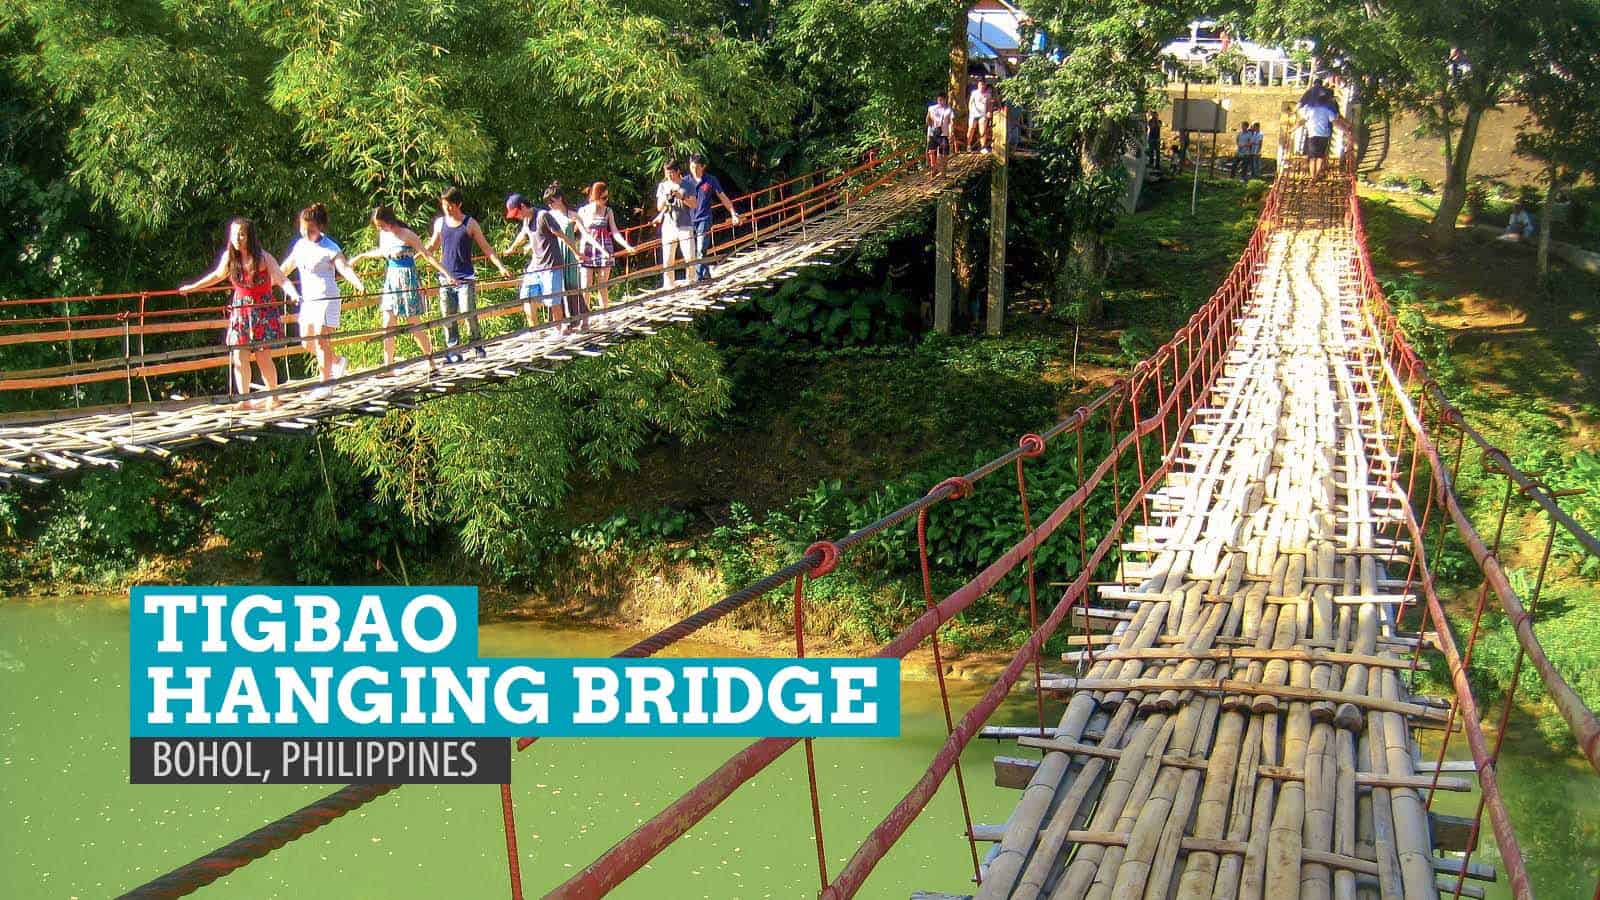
<point x="1245" y="731"/>
<point x="36" y="445"/>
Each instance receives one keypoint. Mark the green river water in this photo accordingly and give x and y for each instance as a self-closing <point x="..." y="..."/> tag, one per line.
<point x="71" y="825"/>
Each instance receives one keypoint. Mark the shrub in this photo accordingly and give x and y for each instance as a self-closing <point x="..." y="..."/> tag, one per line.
<point x="100" y="527"/>
<point x="306" y="510"/>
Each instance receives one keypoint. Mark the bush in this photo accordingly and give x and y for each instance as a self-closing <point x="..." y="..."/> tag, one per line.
<point x="99" y="528"/>
<point x="1418" y="186"/>
<point x="1254" y="190"/>
<point x="306" y="510"/>
<point x="807" y="310"/>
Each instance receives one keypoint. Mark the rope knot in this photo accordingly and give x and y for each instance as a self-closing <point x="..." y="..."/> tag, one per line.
<point x="960" y="487"/>
<point x="1449" y="415"/>
<point x="1032" y="445"/>
<point x="830" y="557"/>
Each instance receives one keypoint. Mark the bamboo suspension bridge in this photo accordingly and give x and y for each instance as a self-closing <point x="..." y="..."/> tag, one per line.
<point x="1240" y="707"/>
<point x="802" y="222"/>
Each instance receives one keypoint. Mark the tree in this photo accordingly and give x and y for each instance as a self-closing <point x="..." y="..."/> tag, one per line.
<point x="1449" y="61"/>
<point x="1089" y="109"/>
<point x="1563" y="96"/>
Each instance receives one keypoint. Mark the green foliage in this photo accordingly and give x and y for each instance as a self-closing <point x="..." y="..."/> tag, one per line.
<point x="1412" y="299"/>
<point x="103" y="524"/>
<point x="304" y="510"/>
<point x="806" y="310"/>
<point x="493" y="463"/>
<point x="660" y="524"/>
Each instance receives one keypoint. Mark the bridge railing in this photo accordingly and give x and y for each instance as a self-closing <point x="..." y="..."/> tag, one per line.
<point x="1423" y="415"/>
<point x="108" y="343"/>
<point x="1140" y="419"/>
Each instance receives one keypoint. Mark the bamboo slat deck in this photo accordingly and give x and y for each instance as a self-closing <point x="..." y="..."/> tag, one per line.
<point x="1185" y="766"/>
<point x="36" y="445"/>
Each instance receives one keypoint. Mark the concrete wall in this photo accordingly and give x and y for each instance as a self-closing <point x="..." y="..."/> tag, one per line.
<point x="1492" y="157"/>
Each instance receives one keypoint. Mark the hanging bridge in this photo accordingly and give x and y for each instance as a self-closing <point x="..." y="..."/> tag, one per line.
<point x="801" y="222"/>
<point x="1239" y="710"/>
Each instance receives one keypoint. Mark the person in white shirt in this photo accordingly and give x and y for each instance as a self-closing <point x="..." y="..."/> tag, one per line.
<point x="675" y="203"/>
<point x="1241" y="152"/>
<point x="320" y="262"/>
<point x="1320" y="118"/>
<point x="979" y="134"/>
<point x="1520" y="226"/>
<point x="940" y="120"/>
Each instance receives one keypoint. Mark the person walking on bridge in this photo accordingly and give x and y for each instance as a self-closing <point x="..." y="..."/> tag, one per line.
<point x="402" y="291"/>
<point x="1320" y="117"/>
<point x="940" y="120"/>
<point x="707" y="192"/>
<point x="675" y="206"/>
<point x="254" y="317"/>
<point x="546" y="275"/>
<point x="600" y="237"/>
<point x="454" y="234"/>
<point x="320" y="262"/>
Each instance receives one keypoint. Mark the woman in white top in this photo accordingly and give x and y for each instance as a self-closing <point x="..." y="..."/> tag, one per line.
<point x="600" y="236"/>
<point x="320" y="262"/>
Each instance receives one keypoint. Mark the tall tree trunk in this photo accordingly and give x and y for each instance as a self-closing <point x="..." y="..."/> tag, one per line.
<point x="958" y="62"/>
<point x="1458" y="165"/>
<point x="1101" y="152"/>
<point x="1547" y="218"/>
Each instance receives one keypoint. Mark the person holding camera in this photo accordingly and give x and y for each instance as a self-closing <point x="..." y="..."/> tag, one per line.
<point x="675" y="202"/>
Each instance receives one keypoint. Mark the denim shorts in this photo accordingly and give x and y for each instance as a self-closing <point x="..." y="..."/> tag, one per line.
<point x="547" y="285"/>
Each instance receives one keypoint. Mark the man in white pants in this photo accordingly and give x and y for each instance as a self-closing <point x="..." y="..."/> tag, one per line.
<point x="675" y="200"/>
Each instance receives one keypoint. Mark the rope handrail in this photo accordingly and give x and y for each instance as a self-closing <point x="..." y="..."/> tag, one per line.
<point x="780" y="218"/>
<point x="1580" y="719"/>
<point x="873" y="159"/>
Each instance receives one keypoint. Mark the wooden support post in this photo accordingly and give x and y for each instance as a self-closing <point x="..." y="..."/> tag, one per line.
<point x="998" y="197"/>
<point x="944" y="253"/>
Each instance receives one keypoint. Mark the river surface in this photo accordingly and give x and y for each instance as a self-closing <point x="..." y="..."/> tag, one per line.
<point x="71" y="825"/>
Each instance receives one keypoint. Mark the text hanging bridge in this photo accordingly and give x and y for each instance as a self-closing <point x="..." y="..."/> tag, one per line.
<point x="1245" y="730"/>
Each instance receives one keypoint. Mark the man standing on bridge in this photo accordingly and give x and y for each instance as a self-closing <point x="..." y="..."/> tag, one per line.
<point x="454" y="235"/>
<point x="675" y="204"/>
<point x="707" y="189"/>
<point x="1320" y="117"/>
<point x="941" y="120"/>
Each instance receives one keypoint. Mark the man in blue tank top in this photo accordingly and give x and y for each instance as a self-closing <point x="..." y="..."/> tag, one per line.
<point x="454" y="234"/>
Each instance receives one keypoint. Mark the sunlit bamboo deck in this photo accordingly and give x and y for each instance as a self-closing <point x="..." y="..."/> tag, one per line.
<point x="1245" y="729"/>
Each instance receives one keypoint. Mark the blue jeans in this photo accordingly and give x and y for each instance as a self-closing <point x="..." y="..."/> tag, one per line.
<point x="461" y="297"/>
<point x="702" y="244"/>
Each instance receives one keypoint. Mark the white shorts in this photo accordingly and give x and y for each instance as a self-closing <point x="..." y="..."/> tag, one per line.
<point x="323" y="312"/>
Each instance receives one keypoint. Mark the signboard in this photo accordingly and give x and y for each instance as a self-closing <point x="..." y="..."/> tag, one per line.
<point x="1205" y="116"/>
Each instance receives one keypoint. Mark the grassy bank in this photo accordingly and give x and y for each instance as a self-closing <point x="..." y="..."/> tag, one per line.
<point x="1523" y="363"/>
